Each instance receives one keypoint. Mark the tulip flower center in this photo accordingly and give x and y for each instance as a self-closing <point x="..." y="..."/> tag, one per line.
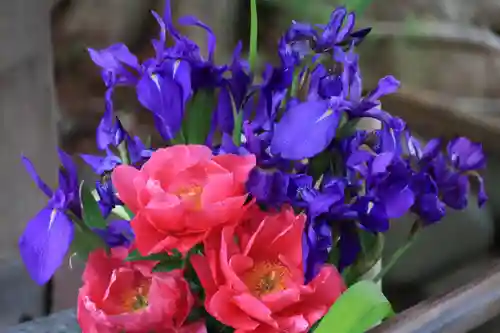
<point x="137" y="299"/>
<point x="266" y="278"/>
<point x="191" y="194"/>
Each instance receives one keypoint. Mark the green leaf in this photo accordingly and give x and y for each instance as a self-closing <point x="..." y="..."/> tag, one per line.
<point x="169" y="265"/>
<point x="123" y="152"/>
<point x="319" y="164"/>
<point x="136" y="256"/>
<point x="123" y="212"/>
<point x="84" y="242"/>
<point x="199" y="115"/>
<point x="360" y="308"/>
<point x="179" y="138"/>
<point x="238" y="123"/>
<point x="346" y="127"/>
<point x="213" y="325"/>
<point x="254" y="31"/>
<point x="92" y="216"/>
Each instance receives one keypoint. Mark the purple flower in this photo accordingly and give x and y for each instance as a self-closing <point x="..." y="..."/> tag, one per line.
<point x="117" y="233"/>
<point x="298" y="184"/>
<point x="329" y="38"/>
<point x="233" y="92"/>
<point x="368" y="106"/>
<point x="441" y="180"/>
<point x="116" y="62"/>
<point x="316" y="245"/>
<point x="465" y="155"/>
<point x="427" y="205"/>
<point x="47" y="237"/>
<point x="306" y="129"/>
<point x="323" y="209"/>
<point x="107" y="196"/>
<point x="268" y="187"/>
<point x="161" y="95"/>
<point x="102" y="164"/>
<point x="108" y="132"/>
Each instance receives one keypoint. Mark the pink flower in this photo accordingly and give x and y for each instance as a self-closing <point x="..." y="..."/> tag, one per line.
<point x="120" y="296"/>
<point x="254" y="280"/>
<point x="180" y="194"/>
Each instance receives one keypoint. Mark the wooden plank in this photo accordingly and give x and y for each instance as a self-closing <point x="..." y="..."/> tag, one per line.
<point x="461" y="310"/>
<point x="27" y="126"/>
<point x="61" y="322"/>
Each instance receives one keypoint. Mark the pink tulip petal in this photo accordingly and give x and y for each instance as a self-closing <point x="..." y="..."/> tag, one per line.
<point x="202" y="268"/>
<point x="221" y="306"/>
<point x="279" y="301"/>
<point x="146" y="235"/>
<point x="123" y="180"/>
<point x="255" y="308"/>
<point x="240" y="263"/>
<point x="165" y="212"/>
<point x="240" y="166"/>
<point x="218" y="188"/>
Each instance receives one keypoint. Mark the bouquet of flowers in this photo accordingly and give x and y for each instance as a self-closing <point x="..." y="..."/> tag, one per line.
<point x="266" y="207"/>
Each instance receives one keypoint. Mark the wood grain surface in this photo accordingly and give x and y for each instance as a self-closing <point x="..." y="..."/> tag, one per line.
<point x="461" y="310"/>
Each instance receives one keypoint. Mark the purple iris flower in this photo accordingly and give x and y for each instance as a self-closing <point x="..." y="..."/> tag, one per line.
<point x="268" y="186"/>
<point x="102" y="164"/>
<point x="324" y="207"/>
<point x="317" y="242"/>
<point x="465" y="155"/>
<point x="428" y="206"/>
<point x="116" y="63"/>
<point x="117" y="233"/>
<point x="303" y="38"/>
<point x="368" y="106"/>
<point x="233" y="92"/>
<point x="307" y="129"/>
<point x="161" y="95"/>
<point x="388" y="196"/>
<point x="468" y="157"/>
<point x="107" y="196"/>
<point x="47" y="237"/>
<point x="108" y="131"/>
<point x="443" y="180"/>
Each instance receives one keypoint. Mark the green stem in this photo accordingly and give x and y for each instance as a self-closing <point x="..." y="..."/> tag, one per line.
<point x="254" y="28"/>
<point x="395" y="257"/>
<point x="399" y="253"/>
<point x="123" y="150"/>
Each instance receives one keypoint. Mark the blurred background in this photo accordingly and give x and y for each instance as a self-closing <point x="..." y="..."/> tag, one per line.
<point x="445" y="52"/>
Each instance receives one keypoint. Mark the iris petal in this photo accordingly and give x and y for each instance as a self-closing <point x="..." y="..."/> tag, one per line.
<point x="45" y="242"/>
<point x="305" y="130"/>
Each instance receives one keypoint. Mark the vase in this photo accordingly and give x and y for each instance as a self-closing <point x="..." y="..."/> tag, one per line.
<point x="373" y="272"/>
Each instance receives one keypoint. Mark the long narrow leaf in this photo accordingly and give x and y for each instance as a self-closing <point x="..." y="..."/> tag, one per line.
<point x="197" y="123"/>
<point x="360" y="308"/>
<point x="92" y="216"/>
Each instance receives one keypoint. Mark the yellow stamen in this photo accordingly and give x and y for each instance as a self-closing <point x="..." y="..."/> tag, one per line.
<point x="325" y="115"/>
<point x="137" y="299"/>
<point x="191" y="194"/>
<point x="266" y="278"/>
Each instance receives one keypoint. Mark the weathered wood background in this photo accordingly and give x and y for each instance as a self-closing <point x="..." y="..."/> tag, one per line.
<point x="447" y="56"/>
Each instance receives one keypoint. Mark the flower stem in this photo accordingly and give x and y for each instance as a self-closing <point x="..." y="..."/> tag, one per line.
<point x="395" y="257"/>
<point x="254" y="28"/>
<point x="399" y="253"/>
<point x="123" y="150"/>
